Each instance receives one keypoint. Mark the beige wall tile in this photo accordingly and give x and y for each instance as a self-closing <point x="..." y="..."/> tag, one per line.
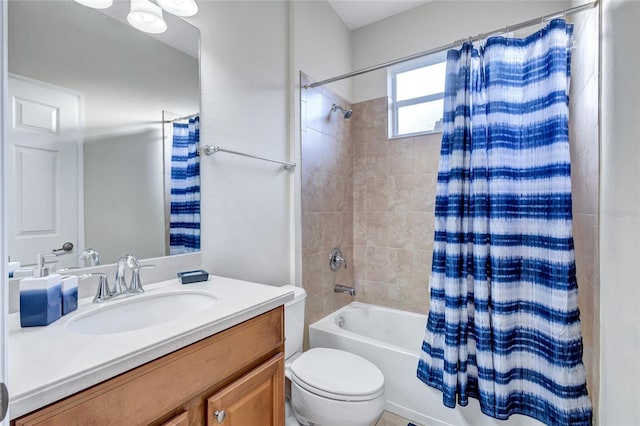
<point x="378" y="264"/>
<point x="359" y="192"/>
<point x="359" y="157"/>
<point x="313" y="273"/>
<point x="421" y="269"/>
<point x="359" y="228"/>
<point x="421" y="301"/>
<point x="423" y="230"/>
<point x="400" y="191"/>
<point x="346" y="233"/>
<point x="377" y="229"/>
<point x="401" y="157"/>
<point x="372" y="292"/>
<point x="400" y="298"/>
<point x="359" y="264"/>
<point x="423" y="193"/>
<point x="426" y="153"/>
<point x="400" y="230"/>
<point x="378" y="159"/>
<point x="318" y="193"/>
<point x="331" y="224"/>
<point x="400" y="268"/>
<point x="311" y="233"/>
<point x="377" y="195"/>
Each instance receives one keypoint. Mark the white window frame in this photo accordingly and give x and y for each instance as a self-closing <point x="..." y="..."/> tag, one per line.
<point x="394" y="105"/>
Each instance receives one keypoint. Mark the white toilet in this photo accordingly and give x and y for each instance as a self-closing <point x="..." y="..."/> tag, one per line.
<point x="329" y="387"/>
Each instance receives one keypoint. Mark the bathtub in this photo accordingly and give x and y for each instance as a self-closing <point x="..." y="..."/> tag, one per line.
<point x="392" y="339"/>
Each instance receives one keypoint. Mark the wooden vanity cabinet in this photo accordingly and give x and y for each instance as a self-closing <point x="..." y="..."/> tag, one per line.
<point x="239" y="371"/>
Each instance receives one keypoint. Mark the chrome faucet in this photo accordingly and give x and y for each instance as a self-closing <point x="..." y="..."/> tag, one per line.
<point x="104" y="292"/>
<point x="91" y="254"/>
<point x="120" y="286"/>
<point x="344" y="289"/>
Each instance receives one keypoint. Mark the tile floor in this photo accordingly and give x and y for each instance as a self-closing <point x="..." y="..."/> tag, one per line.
<point x="390" y="419"/>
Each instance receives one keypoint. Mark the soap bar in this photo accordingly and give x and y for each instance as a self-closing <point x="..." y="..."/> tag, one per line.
<point x="69" y="294"/>
<point x="188" y="277"/>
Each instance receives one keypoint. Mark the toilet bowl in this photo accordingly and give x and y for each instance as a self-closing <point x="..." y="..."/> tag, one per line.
<point x="329" y="387"/>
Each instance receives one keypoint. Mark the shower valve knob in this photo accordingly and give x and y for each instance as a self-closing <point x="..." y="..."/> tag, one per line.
<point x="336" y="260"/>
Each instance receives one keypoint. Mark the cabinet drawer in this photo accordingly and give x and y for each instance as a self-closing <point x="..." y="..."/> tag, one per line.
<point x="143" y="394"/>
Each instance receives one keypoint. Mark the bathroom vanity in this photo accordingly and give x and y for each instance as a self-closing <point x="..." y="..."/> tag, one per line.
<point x="226" y="366"/>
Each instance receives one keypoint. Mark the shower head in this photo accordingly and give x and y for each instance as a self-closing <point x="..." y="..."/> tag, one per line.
<point x="347" y="113"/>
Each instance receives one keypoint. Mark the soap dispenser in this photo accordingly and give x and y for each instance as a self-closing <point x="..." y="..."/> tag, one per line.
<point x="40" y="296"/>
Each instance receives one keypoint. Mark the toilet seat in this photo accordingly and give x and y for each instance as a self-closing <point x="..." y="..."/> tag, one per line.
<point x="337" y="375"/>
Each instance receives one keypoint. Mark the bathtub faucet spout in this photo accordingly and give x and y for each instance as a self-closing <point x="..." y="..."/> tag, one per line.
<point x="345" y="289"/>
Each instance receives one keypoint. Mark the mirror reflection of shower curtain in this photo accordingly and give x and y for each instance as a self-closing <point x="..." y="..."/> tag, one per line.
<point x="184" y="228"/>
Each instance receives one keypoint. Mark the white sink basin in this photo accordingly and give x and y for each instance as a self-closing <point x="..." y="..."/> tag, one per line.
<point x="138" y="312"/>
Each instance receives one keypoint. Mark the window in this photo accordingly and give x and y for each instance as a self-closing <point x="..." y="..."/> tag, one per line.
<point x="416" y="91"/>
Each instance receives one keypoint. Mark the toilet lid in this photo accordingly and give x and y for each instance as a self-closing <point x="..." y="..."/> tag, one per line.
<point x="337" y="374"/>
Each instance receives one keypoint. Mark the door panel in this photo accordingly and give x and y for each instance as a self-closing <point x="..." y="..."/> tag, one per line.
<point x="44" y="180"/>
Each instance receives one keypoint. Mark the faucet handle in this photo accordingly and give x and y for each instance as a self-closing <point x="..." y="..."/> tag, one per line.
<point x="136" y="282"/>
<point x="103" y="292"/>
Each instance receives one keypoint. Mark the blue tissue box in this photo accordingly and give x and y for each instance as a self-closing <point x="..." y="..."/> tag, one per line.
<point x="189" y="277"/>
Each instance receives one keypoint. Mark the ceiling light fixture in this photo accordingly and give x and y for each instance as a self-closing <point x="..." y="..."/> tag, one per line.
<point x="146" y="16"/>
<point x="179" y="7"/>
<point x="96" y="4"/>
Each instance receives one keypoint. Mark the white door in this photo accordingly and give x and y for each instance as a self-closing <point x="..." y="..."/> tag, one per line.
<point x="43" y="187"/>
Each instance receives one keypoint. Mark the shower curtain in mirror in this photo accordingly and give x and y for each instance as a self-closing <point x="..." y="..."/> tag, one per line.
<point x="503" y="323"/>
<point x="184" y="228"/>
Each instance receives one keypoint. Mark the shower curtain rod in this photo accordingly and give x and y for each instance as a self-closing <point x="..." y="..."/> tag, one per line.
<point x="525" y="24"/>
<point x="182" y="118"/>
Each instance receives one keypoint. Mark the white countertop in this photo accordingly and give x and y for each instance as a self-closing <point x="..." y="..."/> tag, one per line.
<point x="49" y="363"/>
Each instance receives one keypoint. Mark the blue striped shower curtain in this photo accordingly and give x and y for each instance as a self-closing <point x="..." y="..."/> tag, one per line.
<point x="503" y="323"/>
<point x="184" y="229"/>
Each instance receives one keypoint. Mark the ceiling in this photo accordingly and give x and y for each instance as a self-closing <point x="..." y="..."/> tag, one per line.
<point x="358" y="13"/>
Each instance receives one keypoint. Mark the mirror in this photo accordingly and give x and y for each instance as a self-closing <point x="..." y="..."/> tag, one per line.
<point x="89" y="153"/>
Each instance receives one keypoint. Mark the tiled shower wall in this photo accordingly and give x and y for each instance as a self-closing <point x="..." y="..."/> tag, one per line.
<point x="584" y="136"/>
<point x="394" y="184"/>
<point x="327" y="200"/>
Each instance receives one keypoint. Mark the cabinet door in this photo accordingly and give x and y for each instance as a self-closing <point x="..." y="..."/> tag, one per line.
<point x="257" y="398"/>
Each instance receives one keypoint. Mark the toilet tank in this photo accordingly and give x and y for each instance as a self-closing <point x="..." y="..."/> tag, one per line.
<point x="294" y="321"/>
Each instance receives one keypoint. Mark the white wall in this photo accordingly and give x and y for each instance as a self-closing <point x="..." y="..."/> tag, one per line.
<point x="320" y="45"/>
<point x="245" y="105"/>
<point x="620" y="214"/>
<point x="126" y="79"/>
<point x="429" y="26"/>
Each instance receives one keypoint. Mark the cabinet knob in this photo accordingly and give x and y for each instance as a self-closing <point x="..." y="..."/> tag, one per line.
<point x="220" y="415"/>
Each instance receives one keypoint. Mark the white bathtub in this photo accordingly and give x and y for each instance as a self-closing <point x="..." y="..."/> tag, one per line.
<point x="392" y="339"/>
